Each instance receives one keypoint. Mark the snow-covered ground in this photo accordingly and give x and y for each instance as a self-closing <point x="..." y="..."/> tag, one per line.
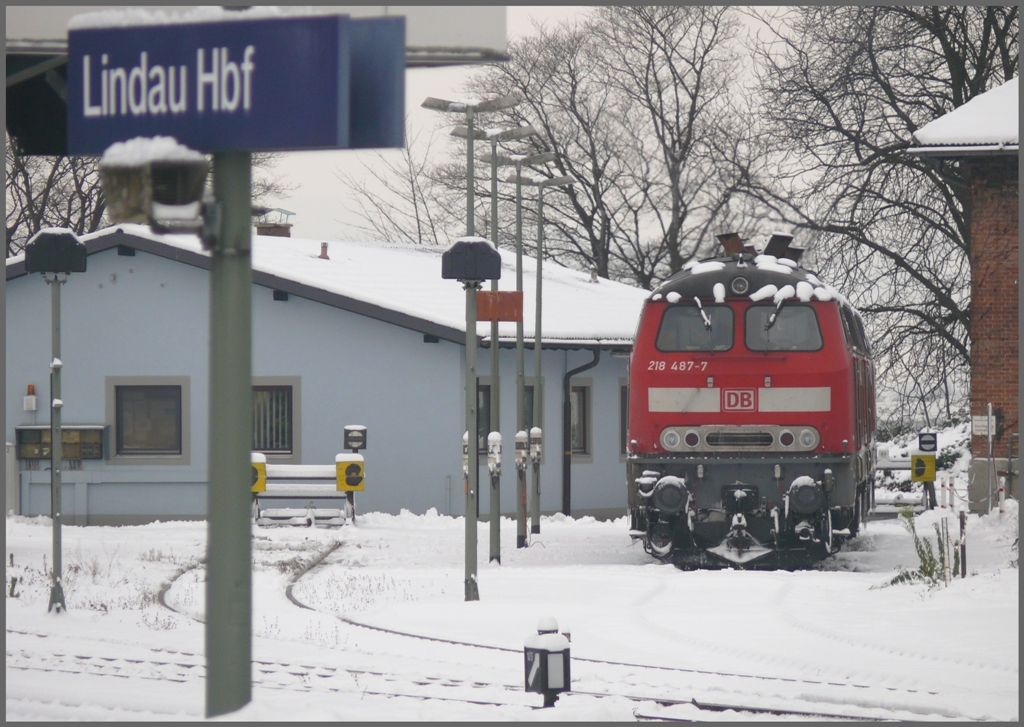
<point x="836" y="640"/>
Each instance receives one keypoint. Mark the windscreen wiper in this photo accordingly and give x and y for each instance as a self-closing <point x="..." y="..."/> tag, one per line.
<point x="707" y="321"/>
<point x="774" y="316"/>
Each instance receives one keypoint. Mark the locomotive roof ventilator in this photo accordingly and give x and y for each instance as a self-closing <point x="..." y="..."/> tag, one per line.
<point x="778" y="246"/>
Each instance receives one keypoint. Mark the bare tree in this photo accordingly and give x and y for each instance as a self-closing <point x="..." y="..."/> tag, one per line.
<point x="677" y="66"/>
<point x="266" y="185"/>
<point x="399" y="197"/>
<point x="636" y="102"/>
<point x="567" y="98"/>
<point x="843" y="90"/>
<point x="50" y="192"/>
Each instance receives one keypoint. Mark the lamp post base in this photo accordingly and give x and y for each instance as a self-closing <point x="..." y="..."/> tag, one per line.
<point x="57" y="599"/>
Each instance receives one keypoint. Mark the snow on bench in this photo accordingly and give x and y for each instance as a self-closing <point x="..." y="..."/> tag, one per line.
<point x="303" y="482"/>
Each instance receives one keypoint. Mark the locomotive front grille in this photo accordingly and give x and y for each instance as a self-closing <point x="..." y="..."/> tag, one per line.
<point x="743" y="438"/>
<point x="739" y="439"/>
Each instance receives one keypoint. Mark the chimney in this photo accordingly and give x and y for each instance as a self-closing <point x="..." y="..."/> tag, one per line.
<point x="274" y="229"/>
<point x="323" y="251"/>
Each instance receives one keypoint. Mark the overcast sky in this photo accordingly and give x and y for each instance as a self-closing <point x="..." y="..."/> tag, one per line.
<point x="318" y="200"/>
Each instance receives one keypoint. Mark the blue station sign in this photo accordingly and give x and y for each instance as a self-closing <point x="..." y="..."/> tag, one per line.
<point x="266" y="84"/>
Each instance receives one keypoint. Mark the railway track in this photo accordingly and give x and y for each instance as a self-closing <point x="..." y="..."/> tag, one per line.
<point x="819" y="705"/>
<point x="812" y="710"/>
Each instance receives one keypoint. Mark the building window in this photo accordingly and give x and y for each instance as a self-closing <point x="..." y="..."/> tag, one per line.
<point x="528" y="419"/>
<point x="148" y="420"/>
<point x="579" y="405"/>
<point x="623" y="419"/>
<point x="483" y="416"/>
<point x="272" y="430"/>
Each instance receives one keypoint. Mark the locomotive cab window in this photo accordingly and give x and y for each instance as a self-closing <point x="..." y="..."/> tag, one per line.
<point x="858" y="326"/>
<point x="683" y="329"/>
<point x="795" y="329"/>
<point x="855" y="331"/>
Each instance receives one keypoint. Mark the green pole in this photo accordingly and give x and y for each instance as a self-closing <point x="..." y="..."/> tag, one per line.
<point x="472" y="592"/>
<point x="470" y="225"/>
<point x="229" y="547"/>
<point x="495" y="524"/>
<point x="520" y="366"/>
<point x="57" y="587"/>
<point x="535" y="510"/>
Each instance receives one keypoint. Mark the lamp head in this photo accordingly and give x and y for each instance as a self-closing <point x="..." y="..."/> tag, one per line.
<point x="152" y="179"/>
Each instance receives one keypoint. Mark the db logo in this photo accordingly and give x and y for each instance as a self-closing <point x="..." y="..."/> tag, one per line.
<point x="738" y="399"/>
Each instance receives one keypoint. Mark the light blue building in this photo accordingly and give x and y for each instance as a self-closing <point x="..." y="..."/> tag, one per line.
<point x="343" y="333"/>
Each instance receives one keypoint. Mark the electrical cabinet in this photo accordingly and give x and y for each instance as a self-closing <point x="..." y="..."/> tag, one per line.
<point x="78" y="441"/>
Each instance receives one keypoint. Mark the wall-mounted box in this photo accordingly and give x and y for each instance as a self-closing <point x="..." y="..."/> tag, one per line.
<point x="78" y="441"/>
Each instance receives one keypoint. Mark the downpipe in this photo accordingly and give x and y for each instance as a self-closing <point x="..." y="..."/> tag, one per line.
<point x="567" y="431"/>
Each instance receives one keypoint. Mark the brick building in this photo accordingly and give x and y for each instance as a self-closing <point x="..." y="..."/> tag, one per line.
<point x="982" y="135"/>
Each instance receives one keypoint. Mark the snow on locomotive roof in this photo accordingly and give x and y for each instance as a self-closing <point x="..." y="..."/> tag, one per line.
<point x="767" y="277"/>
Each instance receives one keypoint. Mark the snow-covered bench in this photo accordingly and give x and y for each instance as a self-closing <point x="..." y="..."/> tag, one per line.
<point x="307" y="482"/>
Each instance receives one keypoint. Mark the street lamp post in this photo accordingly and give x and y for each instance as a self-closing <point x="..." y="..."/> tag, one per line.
<point x="519" y="160"/>
<point x="494" y="136"/>
<point x="537" y="335"/>
<point x="464" y="254"/>
<point x="471" y="261"/>
<point x="57" y="252"/>
<point x="470" y="107"/>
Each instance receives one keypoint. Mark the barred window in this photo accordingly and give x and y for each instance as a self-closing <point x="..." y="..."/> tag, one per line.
<point x="579" y="404"/>
<point x="272" y="419"/>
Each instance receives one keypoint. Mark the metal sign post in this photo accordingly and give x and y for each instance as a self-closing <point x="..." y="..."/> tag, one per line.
<point x="232" y="87"/>
<point x="229" y="537"/>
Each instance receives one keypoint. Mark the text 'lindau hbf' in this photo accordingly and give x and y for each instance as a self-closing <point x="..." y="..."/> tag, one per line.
<point x="221" y="85"/>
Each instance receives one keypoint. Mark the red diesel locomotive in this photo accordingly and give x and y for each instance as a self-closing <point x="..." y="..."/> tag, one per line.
<point x="751" y="413"/>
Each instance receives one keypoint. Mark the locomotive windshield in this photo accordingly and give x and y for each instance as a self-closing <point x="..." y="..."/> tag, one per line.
<point x="795" y="329"/>
<point x="683" y="329"/>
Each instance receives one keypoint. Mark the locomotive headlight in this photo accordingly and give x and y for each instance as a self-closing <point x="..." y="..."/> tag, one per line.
<point x="670" y="439"/>
<point x="786" y="438"/>
<point x="692" y="438"/>
<point x="808" y="438"/>
<point x="739" y="285"/>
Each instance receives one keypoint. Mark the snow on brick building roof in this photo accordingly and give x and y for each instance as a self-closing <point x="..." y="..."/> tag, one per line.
<point x="406" y="280"/>
<point x="986" y="124"/>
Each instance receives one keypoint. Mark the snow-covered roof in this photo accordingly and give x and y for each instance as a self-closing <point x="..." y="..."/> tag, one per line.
<point x="403" y="284"/>
<point x="986" y="124"/>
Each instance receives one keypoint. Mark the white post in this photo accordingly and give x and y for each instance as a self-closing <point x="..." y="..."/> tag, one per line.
<point x="989" y="463"/>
